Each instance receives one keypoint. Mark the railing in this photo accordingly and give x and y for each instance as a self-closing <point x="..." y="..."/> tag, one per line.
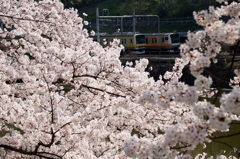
<point x="173" y="21"/>
<point x="127" y="22"/>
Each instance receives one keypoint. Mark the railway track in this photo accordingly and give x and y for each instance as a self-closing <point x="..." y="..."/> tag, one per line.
<point x="150" y="57"/>
<point x="165" y="56"/>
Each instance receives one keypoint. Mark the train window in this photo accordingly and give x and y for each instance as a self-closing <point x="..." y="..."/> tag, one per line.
<point x="166" y="38"/>
<point x="140" y="39"/>
<point x="162" y="39"/>
<point x="124" y="41"/>
<point x="175" y="38"/>
<point x="130" y="40"/>
<point x="154" y="40"/>
<point x="147" y="40"/>
<point x="183" y="39"/>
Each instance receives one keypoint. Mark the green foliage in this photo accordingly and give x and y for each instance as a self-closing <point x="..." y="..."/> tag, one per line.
<point x="140" y="7"/>
<point x="162" y="8"/>
<point x="71" y="3"/>
<point x="181" y="8"/>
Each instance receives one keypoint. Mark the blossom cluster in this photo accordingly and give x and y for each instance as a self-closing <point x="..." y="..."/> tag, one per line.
<point x="64" y="95"/>
<point x="194" y="121"/>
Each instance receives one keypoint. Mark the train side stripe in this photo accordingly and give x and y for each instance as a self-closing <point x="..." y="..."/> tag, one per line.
<point x="157" y="45"/>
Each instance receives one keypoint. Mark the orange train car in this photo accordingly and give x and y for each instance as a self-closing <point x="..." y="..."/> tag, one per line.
<point x="162" y="41"/>
<point x="135" y="43"/>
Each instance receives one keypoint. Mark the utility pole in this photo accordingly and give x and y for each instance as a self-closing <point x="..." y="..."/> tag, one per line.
<point x="134" y="26"/>
<point x="97" y="25"/>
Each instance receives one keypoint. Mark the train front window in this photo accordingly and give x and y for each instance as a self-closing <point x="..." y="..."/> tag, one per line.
<point x="175" y="38"/>
<point x="183" y="39"/>
<point x="140" y="39"/>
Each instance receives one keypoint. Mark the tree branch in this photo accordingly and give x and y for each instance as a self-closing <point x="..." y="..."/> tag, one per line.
<point x="45" y="155"/>
<point x="229" y="71"/>
<point x="12" y="17"/>
<point x="89" y="87"/>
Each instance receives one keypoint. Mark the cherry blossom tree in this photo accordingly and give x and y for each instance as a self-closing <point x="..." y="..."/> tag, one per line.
<point x="62" y="94"/>
<point x="65" y="96"/>
<point x="193" y="122"/>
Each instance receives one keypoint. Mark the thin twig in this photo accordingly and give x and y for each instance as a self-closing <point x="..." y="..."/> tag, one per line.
<point x="229" y="71"/>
